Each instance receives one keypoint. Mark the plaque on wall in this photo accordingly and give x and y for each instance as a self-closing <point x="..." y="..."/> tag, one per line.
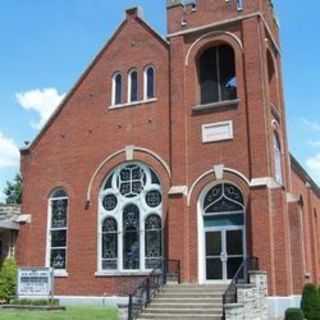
<point x="35" y="282"/>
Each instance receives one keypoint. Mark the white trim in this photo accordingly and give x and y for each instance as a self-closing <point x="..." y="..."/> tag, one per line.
<point x="113" y="155"/>
<point x="201" y="233"/>
<point x="132" y="104"/>
<point x="57" y="272"/>
<point x="117" y="214"/>
<point x="176" y="190"/>
<point x="205" y="128"/>
<point x="23" y="218"/>
<point x="209" y="34"/>
<point x="212" y="171"/>
<point x="268" y="182"/>
<point x="145" y="82"/>
<point x="292" y="197"/>
<point x="278" y="305"/>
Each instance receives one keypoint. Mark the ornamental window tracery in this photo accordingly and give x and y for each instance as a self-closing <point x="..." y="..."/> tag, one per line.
<point x="131" y="198"/>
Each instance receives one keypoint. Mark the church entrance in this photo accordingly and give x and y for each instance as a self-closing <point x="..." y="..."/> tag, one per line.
<point x="224" y="249"/>
<point x="222" y="244"/>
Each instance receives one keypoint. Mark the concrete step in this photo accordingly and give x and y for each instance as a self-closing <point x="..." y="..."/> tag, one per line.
<point x="183" y="305"/>
<point x="190" y="300"/>
<point x="191" y="311"/>
<point x="148" y="316"/>
<point x="190" y="295"/>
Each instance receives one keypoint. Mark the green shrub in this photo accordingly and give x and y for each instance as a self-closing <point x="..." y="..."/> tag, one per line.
<point x="36" y="302"/>
<point x="315" y="313"/>
<point x="8" y="279"/>
<point x="294" y="314"/>
<point x="310" y="301"/>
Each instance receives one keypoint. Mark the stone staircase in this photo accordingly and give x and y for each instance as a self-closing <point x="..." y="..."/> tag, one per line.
<point x="186" y="301"/>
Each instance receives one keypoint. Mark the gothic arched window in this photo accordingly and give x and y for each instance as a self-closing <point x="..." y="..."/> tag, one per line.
<point x="131" y="196"/>
<point x="149" y="83"/>
<point x="117" y="89"/>
<point x="57" y="230"/>
<point x="133" y="86"/>
<point x="277" y="159"/>
<point x="217" y="75"/>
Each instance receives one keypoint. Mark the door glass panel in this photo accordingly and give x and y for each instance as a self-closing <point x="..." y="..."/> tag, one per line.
<point x="214" y="269"/>
<point x="234" y="242"/>
<point x="213" y="243"/>
<point x="233" y="266"/>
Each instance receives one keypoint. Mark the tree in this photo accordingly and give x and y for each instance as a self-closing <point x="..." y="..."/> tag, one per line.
<point x="13" y="191"/>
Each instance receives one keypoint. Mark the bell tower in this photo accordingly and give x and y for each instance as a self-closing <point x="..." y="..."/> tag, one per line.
<point x="247" y="125"/>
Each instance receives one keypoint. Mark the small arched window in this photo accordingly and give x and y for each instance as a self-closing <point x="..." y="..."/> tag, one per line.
<point x="217" y="75"/>
<point x="272" y="79"/>
<point x="149" y="83"/>
<point x="277" y="159"/>
<point x="117" y="89"/>
<point x="110" y="244"/>
<point x="133" y="86"/>
<point x="57" y="230"/>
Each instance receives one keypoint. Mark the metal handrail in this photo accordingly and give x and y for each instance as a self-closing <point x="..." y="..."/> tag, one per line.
<point x="149" y="287"/>
<point x="241" y="276"/>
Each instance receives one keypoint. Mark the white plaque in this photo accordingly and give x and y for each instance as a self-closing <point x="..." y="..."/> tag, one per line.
<point x="218" y="131"/>
<point x="35" y="282"/>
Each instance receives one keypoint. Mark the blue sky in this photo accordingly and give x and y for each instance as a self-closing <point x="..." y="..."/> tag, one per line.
<point x="45" y="45"/>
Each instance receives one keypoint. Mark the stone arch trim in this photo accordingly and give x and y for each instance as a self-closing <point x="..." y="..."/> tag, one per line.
<point x="128" y="153"/>
<point x="214" y="36"/>
<point x="210" y="176"/>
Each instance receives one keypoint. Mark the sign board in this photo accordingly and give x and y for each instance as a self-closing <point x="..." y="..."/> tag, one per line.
<point x="35" y="282"/>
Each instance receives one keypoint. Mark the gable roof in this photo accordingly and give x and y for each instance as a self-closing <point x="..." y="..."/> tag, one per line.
<point x="302" y="173"/>
<point x="136" y="12"/>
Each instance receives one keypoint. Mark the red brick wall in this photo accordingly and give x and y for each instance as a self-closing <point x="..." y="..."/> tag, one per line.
<point x="85" y="132"/>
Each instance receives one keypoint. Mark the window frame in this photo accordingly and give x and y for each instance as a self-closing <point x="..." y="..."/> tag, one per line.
<point x="117" y="213"/>
<point x="51" y="199"/>
<point x="217" y="60"/>
<point x="277" y="161"/>
<point x="129" y="97"/>
<point x="146" y="82"/>
<point x="114" y="89"/>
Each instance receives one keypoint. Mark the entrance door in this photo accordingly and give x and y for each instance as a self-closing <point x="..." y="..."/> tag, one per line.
<point x="224" y="250"/>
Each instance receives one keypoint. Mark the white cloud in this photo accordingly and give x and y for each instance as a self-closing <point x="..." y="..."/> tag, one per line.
<point x="42" y="101"/>
<point x="313" y="164"/>
<point x="9" y="153"/>
<point x="313" y="125"/>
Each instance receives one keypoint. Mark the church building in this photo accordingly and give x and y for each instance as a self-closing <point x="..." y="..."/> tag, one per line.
<point x="173" y="148"/>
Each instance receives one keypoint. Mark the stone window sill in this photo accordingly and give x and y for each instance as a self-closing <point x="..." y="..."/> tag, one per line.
<point x="216" y="105"/>
<point x="132" y="104"/>
<point x="122" y="274"/>
<point x="60" y="274"/>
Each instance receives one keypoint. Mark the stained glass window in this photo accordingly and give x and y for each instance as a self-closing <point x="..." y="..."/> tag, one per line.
<point x="110" y="244"/>
<point x="131" y="210"/>
<point x="223" y="198"/>
<point x="117" y="89"/>
<point x="153" y="242"/>
<point x="277" y="159"/>
<point x="58" y="229"/>
<point x="131" y="238"/>
<point x="133" y="86"/>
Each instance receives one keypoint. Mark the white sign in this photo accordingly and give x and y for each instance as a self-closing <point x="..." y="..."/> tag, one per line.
<point x="35" y="282"/>
<point x="218" y="131"/>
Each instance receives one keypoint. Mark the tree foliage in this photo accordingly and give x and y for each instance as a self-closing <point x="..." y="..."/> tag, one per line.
<point x="13" y="191"/>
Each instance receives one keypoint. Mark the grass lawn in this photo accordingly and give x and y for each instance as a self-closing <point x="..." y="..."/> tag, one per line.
<point x="72" y="313"/>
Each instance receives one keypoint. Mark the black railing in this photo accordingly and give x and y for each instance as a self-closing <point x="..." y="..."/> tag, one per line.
<point x="148" y="288"/>
<point x="241" y="277"/>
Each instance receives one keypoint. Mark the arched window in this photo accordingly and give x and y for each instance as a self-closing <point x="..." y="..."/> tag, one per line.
<point x="117" y="89"/>
<point x="217" y="75"/>
<point x="277" y="159"/>
<point x="133" y="86"/>
<point x="149" y="83"/>
<point x="132" y="198"/>
<point x="58" y="230"/>
<point x="272" y="79"/>
<point x="224" y="229"/>
<point x="110" y="244"/>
